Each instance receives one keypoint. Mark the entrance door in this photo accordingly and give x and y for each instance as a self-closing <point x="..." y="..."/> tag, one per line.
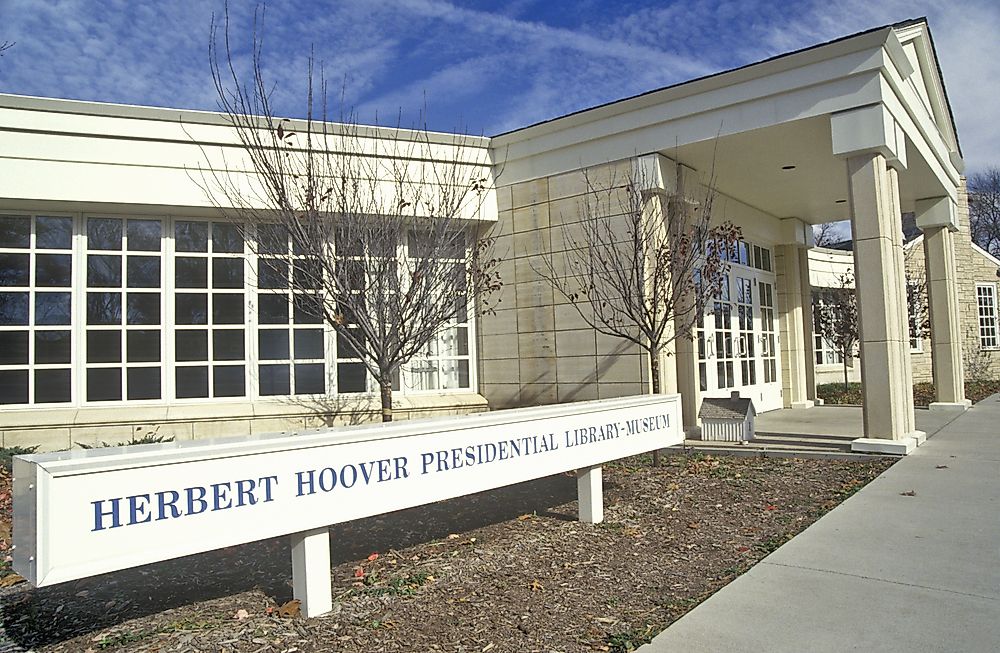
<point x="738" y="340"/>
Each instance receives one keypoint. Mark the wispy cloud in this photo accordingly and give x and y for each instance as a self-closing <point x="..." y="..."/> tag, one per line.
<point x="482" y="69"/>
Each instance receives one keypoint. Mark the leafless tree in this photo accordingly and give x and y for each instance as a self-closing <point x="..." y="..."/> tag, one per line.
<point x="835" y="318"/>
<point x="641" y="265"/>
<point x="6" y="45"/>
<point x="825" y="235"/>
<point x="372" y="228"/>
<point x="984" y="209"/>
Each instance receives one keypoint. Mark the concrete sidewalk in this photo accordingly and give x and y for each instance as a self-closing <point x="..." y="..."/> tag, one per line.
<point x="882" y="571"/>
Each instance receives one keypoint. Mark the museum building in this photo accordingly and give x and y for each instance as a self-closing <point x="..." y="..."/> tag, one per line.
<point x="129" y="306"/>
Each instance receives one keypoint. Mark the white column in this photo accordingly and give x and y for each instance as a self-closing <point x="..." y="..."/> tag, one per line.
<point x="590" y="491"/>
<point x="937" y="218"/>
<point x="880" y="288"/>
<point x="808" y="339"/>
<point x="311" y="582"/>
<point x="791" y="320"/>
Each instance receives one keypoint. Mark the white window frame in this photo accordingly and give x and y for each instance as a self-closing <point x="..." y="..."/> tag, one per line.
<point x="986" y="311"/>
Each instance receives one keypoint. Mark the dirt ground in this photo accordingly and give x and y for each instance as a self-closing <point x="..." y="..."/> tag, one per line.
<point x="506" y="570"/>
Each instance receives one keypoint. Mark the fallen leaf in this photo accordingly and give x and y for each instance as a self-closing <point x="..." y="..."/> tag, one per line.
<point x="536" y="586"/>
<point x="290" y="609"/>
<point x="373" y="557"/>
<point x="770" y="507"/>
<point x="524" y="517"/>
<point x="452" y="536"/>
<point x="241" y="614"/>
<point x="10" y="580"/>
<point x="359" y="573"/>
<point x="694" y="524"/>
<point x="941" y="467"/>
<point x="908" y="493"/>
<point x="673" y="486"/>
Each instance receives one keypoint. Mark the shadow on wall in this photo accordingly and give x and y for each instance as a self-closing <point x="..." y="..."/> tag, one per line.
<point x="46" y="616"/>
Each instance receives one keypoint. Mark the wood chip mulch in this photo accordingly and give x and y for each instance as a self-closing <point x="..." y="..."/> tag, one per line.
<point x="506" y="570"/>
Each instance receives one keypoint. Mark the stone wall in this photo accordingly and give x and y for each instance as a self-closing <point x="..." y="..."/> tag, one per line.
<point x="537" y="349"/>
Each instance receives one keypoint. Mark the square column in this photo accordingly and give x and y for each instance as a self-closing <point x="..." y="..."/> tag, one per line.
<point x="688" y="384"/>
<point x="881" y="292"/>
<point x="311" y="581"/>
<point x="808" y="337"/>
<point x="942" y="298"/>
<point x="896" y="213"/>
<point x="792" y="315"/>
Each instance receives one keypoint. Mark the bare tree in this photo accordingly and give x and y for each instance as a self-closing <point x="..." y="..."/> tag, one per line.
<point x="6" y="45"/>
<point x="371" y="228"/>
<point x="825" y="235"/>
<point x="641" y="265"/>
<point x="984" y="209"/>
<point x="835" y="318"/>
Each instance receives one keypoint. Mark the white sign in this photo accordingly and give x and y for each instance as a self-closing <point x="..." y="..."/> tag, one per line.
<point x="82" y="513"/>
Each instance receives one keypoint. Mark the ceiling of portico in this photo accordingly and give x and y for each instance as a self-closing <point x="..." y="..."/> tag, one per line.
<point x="749" y="167"/>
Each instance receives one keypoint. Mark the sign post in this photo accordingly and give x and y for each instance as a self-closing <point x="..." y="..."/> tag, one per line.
<point x="83" y="513"/>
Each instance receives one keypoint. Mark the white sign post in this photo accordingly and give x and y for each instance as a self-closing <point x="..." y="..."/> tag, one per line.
<point x="82" y="513"/>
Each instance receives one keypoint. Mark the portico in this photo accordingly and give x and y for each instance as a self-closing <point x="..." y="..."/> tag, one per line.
<point x="855" y="129"/>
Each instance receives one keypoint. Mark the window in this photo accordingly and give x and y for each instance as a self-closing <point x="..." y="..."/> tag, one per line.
<point x="104" y="309"/>
<point x="768" y="340"/>
<point x="290" y="335"/>
<point x="36" y="309"/>
<point x="986" y="301"/>
<point x="826" y="352"/>
<point x="744" y="316"/>
<point x="723" y="315"/>
<point x="209" y="310"/>
<point x="123" y="309"/>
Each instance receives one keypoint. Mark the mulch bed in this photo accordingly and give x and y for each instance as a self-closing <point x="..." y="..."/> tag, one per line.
<point x="507" y="570"/>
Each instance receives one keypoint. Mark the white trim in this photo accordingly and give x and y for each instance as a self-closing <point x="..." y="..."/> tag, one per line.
<point x="989" y="257"/>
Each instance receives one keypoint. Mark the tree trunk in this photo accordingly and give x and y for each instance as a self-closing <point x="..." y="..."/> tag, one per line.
<point x="845" y="373"/>
<point x="654" y="369"/>
<point x="386" y="391"/>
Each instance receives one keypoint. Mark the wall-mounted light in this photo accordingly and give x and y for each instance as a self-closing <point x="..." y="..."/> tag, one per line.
<point x="788" y="167"/>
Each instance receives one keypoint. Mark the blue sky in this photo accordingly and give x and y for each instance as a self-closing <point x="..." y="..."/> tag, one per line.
<point x="481" y="67"/>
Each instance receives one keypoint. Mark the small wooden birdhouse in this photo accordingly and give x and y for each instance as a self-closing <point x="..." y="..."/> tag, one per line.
<point x="727" y="419"/>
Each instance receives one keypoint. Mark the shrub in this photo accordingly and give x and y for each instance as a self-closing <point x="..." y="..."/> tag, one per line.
<point x="838" y="393"/>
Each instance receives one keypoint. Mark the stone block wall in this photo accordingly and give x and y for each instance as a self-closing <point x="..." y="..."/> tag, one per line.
<point x="537" y="349"/>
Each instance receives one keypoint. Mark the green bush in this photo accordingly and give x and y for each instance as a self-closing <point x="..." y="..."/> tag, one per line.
<point x="838" y="393"/>
<point x="7" y="452"/>
<point x="923" y="393"/>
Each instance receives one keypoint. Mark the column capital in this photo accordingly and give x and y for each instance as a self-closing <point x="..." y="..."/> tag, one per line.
<point x="659" y="174"/>
<point x="870" y="129"/>
<point x="795" y="232"/>
<point x="936" y="212"/>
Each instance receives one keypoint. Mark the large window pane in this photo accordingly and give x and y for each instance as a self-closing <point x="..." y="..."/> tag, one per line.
<point x="104" y="233"/>
<point x="13" y="386"/>
<point x="53" y="232"/>
<point x="143" y="308"/>
<point x="13" y="347"/>
<point x="104" y="271"/>
<point x="143" y="272"/>
<point x="227" y="273"/>
<point x="229" y="381"/>
<point x="15" y="231"/>
<point x="273" y="344"/>
<point x="191" y="308"/>
<point x="272" y="273"/>
<point x="226" y="238"/>
<point x="191" y="345"/>
<point x="351" y="377"/>
<point x="191" y="236"/>
<point x="308" y="343"/>
<point x="273" y="309"/>
<point x="143" y="383"/>
<point x="54" y="270"/>
<point x="191" y="272"/>
<point x="274" y="380"/>
<point x="13" y="308"/>
<point x="227" y="345"/>
<point x="53" y="386"/>
<point x="144" y="235"/>
<point x="14" y="269"/>
<point x="227" y="309"/>
<point x="308" y="309"/>
<point x="53" y="347"/>
<point x="104" y="384"/>
<point x="104" y="308"/>
<point x="104" y="346"/>
<point x="272" y="239"/>
<point x="142" y="346"/>
<point x="192" y="382"/>
<point x="310" y="379"/>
